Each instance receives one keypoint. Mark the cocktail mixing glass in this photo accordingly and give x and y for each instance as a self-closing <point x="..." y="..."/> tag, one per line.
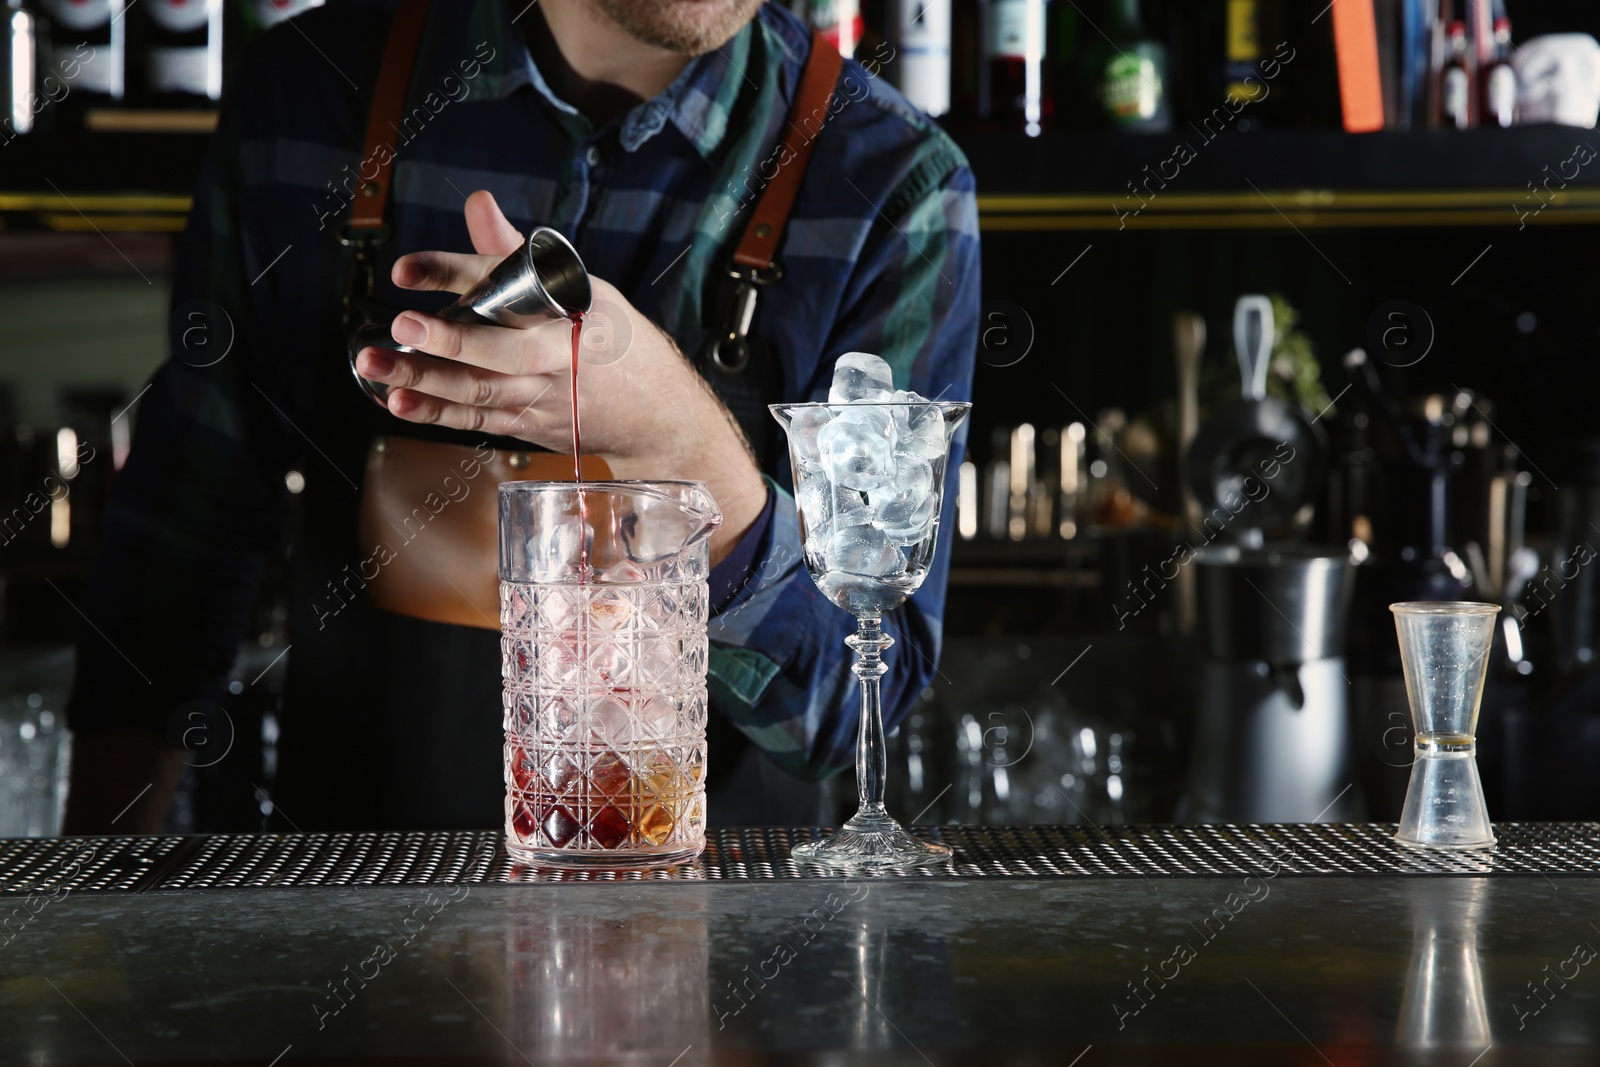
<point x="1444" y="650"/>
<point x="869" y="502"/>
<point x="603" y="657"/>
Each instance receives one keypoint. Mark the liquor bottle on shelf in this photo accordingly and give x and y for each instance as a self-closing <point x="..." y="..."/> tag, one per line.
<point x="183" y="53"/>
<point x="838" y="20"/>
<point x="1500" y="80"/>
<point x="967" y="500"/>
<point x="1241" y="49"/>
<point x="919" y="31"/>
<point x="21" y="99"/>
<point x="1070" y="499"/>
<point x="1024" y="456"/>
<point x="1455" y="81"/>
<point x="1131" y="72"/>
<point x="1016" y="88"/>
<point x="1243" y="84"/>
<point x="87" y="52"/>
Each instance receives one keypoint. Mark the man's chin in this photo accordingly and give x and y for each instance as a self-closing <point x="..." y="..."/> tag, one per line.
<point x="688" y="27"/>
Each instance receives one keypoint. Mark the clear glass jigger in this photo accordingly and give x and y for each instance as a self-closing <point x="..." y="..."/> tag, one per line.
<point x="603" y="658"/>
<point x="869" y="482"/>
<point x="1444" y="649"/>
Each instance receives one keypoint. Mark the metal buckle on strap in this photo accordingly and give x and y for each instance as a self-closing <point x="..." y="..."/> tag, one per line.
<point x="362" y="237"/>
<point x="772" y="272"/>
<point x="730" y="349"/>
<point x="360" y="276"/>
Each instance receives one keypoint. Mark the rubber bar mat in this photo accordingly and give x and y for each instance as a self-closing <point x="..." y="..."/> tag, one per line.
<point x="230" y="861"/>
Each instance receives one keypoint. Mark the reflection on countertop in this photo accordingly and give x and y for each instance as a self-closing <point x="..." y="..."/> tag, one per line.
<point x="1443" y="1003"/>
<point x="1373" y="969"/>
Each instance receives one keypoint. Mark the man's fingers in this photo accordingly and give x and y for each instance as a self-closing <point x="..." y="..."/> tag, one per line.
<point x="449" y="272"/>
<point x="453" y="272"/>
<point x="492" y="233"/>
<point x="523" y="423"/>
<point x="494" y="348"/>
<point x="449" y="380"/>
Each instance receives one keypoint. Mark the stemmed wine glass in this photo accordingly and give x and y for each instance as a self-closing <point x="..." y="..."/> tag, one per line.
<point x="869" y="481"/>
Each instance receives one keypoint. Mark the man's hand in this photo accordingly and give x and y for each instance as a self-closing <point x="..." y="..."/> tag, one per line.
<point x="648" y="413"/>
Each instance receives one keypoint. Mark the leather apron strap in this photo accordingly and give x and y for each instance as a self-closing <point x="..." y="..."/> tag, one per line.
<point x="758" y="248"/>
<point x="367" y="228"/>
<point x="369" y="213"/>
<point x="741" y="368"/>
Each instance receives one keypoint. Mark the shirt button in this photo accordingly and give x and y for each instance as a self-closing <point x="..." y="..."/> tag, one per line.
<point x="593" y="155"/>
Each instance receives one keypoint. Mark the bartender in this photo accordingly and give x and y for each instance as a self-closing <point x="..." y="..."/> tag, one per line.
<point x="647" y="132"/>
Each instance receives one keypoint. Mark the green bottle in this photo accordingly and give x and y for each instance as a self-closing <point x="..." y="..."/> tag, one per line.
<point x="1132" y="73"/>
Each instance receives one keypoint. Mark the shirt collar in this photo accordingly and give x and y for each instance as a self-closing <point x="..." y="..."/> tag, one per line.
<point x="698" y="102"/>
<point x="708" y="88"/>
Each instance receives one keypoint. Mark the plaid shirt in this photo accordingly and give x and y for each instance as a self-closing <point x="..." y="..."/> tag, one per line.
<point x="881" y="255"/>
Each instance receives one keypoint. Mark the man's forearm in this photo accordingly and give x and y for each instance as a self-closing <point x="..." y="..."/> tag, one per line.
<point x="122" y="783"/>
<point x="704" y="444"/>
<point x="735" y="483"/>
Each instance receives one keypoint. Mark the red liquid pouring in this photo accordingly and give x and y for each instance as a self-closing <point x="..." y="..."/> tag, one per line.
<point x="577" y="438"/>
<point x="577" y="444"/>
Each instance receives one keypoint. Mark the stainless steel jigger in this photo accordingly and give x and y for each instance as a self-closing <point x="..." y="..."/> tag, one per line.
<point x="542" y="280"/>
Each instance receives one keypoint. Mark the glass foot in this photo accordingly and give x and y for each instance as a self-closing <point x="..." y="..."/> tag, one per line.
<point x="867" y="843"/>
<point x="581" y="859"/>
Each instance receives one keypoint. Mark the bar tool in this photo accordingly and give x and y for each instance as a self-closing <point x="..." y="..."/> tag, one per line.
<point x="603" y="592"/>
<point x="1257" y="440"/>
<point x="543" y="280"/>
<point x="1272" y="733"/>
<point x="1444" y="651"/>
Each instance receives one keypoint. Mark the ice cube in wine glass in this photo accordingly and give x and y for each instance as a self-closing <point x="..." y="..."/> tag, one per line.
<point x="825" y="506"/>
<point x="905" y="512"/>
<point x="860" y="376"/>
<point x="814" y="498"/>
<point x="864" y="550"/>
<point x="807" y="425"/>
<point x="857" y="449"/>
<point x="920" y="427"/>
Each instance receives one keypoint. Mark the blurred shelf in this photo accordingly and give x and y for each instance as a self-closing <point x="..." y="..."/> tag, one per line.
<point x="66" y="180"/>
<point x="1283" y="209"/>
<point x="1281" y="180"/>
<point x="127" y="120"/>
<point x="1028" y="577"/>
<point x="132" y="172"/>
<point x="1046" y="563"/>
<point x="86" y="212"/>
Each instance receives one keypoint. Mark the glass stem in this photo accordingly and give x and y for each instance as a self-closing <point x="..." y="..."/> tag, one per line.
<point x="872" y="757"/>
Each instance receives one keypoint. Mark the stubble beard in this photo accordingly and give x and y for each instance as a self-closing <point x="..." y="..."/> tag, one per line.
<point x="687" y="27"/>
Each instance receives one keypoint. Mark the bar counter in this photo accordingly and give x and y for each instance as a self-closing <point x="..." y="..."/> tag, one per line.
<point x="1192" y="944"/>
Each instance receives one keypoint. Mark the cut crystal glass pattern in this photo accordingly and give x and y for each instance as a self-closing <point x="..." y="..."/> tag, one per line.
<point x="605" y="715"/>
